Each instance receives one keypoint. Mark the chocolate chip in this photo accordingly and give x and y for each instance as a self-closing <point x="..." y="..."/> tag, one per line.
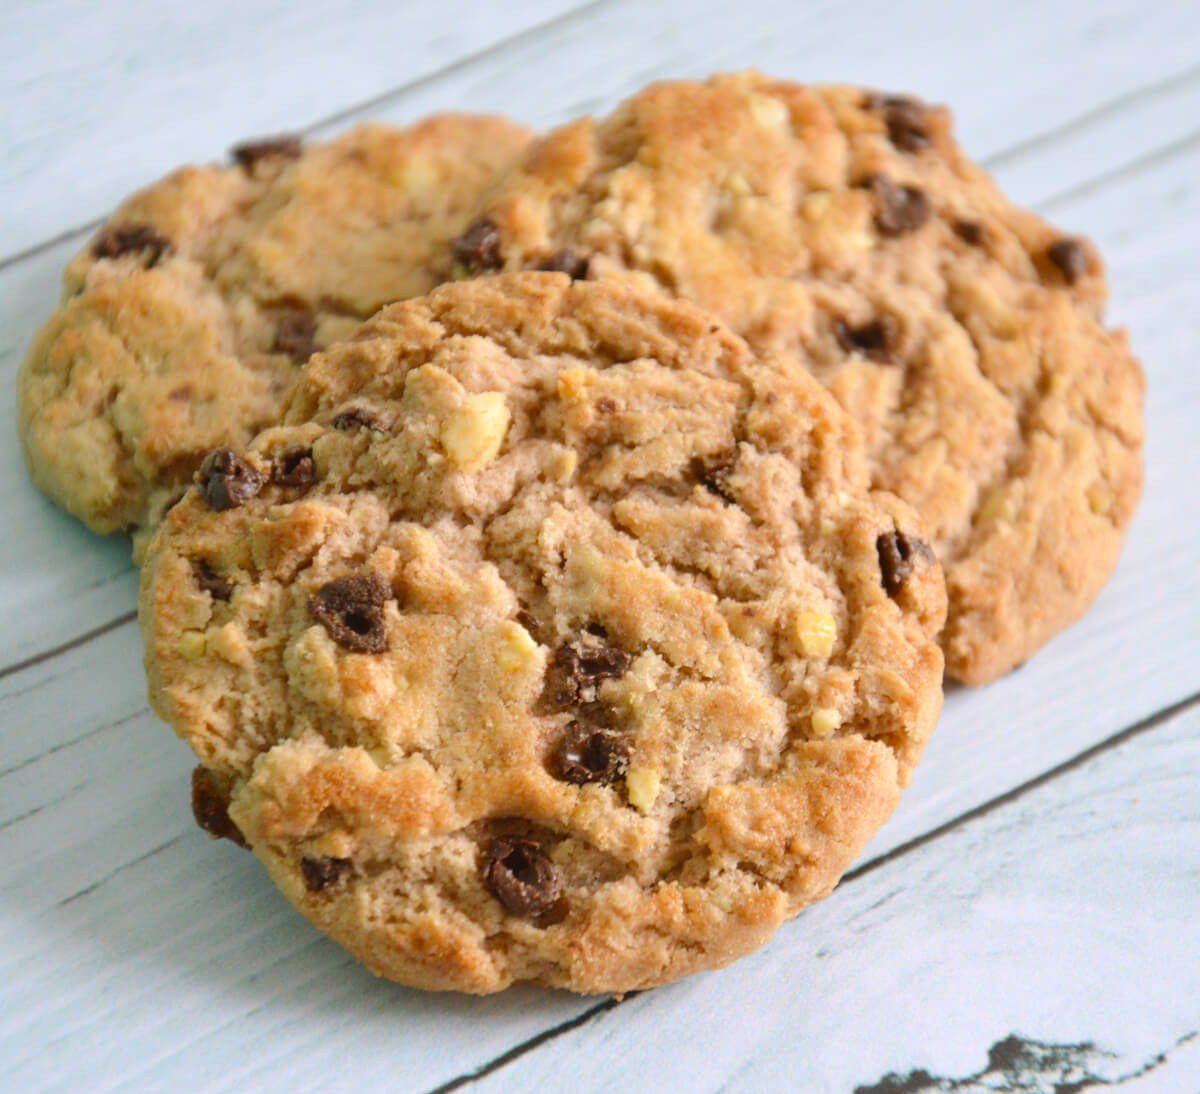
<point x="1071" y="258"/>
<point x="529" y="623"/>
<point x="713" y="473"/>
<point x="478" y="248"/>
<point x="585" y="662"/>
<point x="898" y="209"/>
<point x="907" y="125"/>
<point x="286" y="146"/>
<point x="358" y="417"/>
<point x="210" y="806"/>
<point x="970" y="231"/>
<point x="875" y="340"/>
<point x="296" y="335"/>
<point x="226" y="480"/>
<point x="521" y="876"/>
<point x="320" y="872"/>
<point x="295" y="467"/>
<point x="118" y="240"/>
<point x="351" y="610"/>
<point x="210" y="581"/>
<point x="899" y="555"/>
<point x="567" y="261"/>
<point x="605" y="405"/>
<point x="590" y="754"/>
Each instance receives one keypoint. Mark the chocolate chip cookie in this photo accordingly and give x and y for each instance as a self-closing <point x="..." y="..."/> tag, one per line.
<point x="555" y="637"/>
<point x="186" y="318"/>
<point x="965" y="335"/>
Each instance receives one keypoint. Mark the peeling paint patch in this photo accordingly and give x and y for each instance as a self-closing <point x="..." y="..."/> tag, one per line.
<point x="1020" y="1065"/>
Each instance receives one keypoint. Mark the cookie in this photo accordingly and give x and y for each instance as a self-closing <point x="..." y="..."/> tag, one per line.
<point x="188" y="315"/>
<point x="964" y="334"/>
<point x="579" y="653"/>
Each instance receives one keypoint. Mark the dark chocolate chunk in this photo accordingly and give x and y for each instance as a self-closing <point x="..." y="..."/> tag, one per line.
<point x="585" y="662"/>
<point x="899" y="555"/>
<point x="898" y="209"/>
<point x="876" y="340"/>
<point x="117" y="240"/>
<point x="358" y="417"/>
<point x="296" y="335"/>
<point x="529" y="623"/>
<point x="320" y="872"/>
<point x="295" y="467"/>
<point x="1071" y="258"/>
<point x="286" y="146"/>
<point x="521" y="876"/>
<point x="567" y="261"/>
<point x="478" y="248"/>
<point x="590" y="754"/>
<point x="970" y="231"/>
<point x="210" y="581"/>
<point x="907" y="125"/>
<point x="226" y="480"/>
<point x="210" y="806"/>
<point x="351" y="610"/>
<point x="713" y="473"/>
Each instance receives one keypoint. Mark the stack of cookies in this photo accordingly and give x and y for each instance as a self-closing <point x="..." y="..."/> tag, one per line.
<point x="577" y="617"/>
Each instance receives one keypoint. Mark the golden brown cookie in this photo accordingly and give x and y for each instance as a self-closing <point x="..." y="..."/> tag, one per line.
<point x="186" y="318"/>
<point x="554" y="637"/>
<point x="962" y="333"/>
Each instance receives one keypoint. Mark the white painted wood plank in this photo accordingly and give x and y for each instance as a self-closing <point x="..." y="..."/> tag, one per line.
<point x="1066" y="918"/>
<point x="102" y="98"/>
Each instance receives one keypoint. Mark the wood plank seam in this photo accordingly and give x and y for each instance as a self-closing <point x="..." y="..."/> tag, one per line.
<point x="1154" y="158"/>
<point x="1104" y="112"/>
<point x="1145" y="725"/>
<point x="69" y="645"/>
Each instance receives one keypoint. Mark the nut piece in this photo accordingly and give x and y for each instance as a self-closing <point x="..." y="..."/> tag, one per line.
<point x="641" y="787"/>
<point x="191" y="645"/>
<point x="825" y="720"/>
<point x="517" y="648"/>
<point x="768" y="112"/>
<point x="996" y="506"/>
<point x="816" y="633"/>
<point x="473" y="434"/>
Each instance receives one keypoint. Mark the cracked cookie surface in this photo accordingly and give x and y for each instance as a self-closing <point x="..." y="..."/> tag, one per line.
<point x="583" y="654"/>
<point x="187" y="317"/>
<point x="965" y="335"/>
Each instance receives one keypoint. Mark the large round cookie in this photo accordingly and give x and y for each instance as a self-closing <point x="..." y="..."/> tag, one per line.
<point x="555" y="638"/>
<point x="962" y="333"/>
<point x="184" y="320"/>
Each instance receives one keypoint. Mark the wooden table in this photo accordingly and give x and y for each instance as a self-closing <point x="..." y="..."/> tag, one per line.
<point x="1031" y="914"/>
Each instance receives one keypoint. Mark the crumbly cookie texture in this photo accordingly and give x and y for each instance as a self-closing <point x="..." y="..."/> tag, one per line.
<point x="185" y="319"/>
<point x="555" y="637"/>
<point x="963" y="334"/>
